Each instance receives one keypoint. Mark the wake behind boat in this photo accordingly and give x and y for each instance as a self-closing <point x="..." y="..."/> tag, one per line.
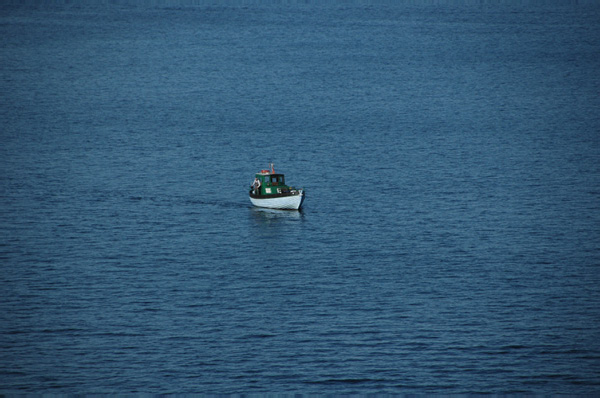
<point x="269" y="190"/>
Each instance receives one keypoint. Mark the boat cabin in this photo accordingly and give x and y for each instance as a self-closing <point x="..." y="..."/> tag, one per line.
<point x="271" y="183"/>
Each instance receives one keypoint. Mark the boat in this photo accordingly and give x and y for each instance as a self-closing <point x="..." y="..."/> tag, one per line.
<point x="269" y="190"/>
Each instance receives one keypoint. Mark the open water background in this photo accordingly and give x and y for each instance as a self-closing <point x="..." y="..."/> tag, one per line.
<point x="450" y="240"/>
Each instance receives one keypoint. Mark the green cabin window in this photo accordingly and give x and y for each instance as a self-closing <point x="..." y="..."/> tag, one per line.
<point x="272" y="179"/>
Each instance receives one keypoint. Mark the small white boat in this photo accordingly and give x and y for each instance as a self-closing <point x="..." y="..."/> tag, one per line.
<point x="269" y="190"/>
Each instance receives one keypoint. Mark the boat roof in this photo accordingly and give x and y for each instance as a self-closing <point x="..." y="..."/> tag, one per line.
<point x="268" y="172"/>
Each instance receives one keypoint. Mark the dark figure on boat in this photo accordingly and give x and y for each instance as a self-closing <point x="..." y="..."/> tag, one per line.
<point x="256" y="186"/>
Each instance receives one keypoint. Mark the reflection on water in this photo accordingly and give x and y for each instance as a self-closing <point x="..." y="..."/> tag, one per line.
<point x="273" y="215"/>
<point x="278" y="226"/>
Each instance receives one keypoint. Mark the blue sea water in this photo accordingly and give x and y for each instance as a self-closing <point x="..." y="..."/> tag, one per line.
<point x="449" y="242"/>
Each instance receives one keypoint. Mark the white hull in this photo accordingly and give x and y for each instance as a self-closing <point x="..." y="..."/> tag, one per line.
<point x="286" y="202"/>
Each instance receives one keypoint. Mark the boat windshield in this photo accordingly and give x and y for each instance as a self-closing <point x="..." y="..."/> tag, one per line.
<point x="277" y="178"/>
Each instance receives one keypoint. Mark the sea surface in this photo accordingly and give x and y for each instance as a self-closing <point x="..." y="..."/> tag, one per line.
<point x="450" y="237"/>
